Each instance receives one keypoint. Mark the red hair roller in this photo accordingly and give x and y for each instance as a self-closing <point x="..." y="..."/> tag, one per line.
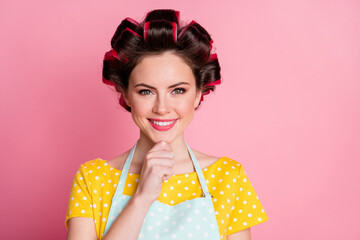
<point x="217" y="82"/>
<point x="107" y="82"/>
<point x="110" y="55"/>
<point x="122" y="102"/>
<point x="173" y="24"/>
<point x="132" y="21"/>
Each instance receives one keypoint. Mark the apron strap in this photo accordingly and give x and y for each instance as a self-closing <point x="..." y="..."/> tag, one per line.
<point x="199" y="173"/>
<point x="127" y="164"/>
<point x="125" y="170"/>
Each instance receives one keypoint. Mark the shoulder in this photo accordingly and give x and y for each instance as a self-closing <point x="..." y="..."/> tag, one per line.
<point x="91" y="165"/>
<point x="119" y="161"/>
<point x="93" y="169"/>
<point x="228" y="168"/>
<point x="205" y="160"/>
<point x="224" y="164"/>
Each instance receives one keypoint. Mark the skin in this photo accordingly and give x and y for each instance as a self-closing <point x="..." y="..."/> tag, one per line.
<point x="159" y="154"/>
<point x="163" y="102"/>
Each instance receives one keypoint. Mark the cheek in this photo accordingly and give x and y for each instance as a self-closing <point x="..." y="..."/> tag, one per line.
<point x="185" y="107"/>
<point x="140" y="108"/>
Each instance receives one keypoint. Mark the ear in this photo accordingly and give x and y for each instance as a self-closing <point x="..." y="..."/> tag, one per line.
<point x="197" y="98"/>
<point x="126" y="97"/>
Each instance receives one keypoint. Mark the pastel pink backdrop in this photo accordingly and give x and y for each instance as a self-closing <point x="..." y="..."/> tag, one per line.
<point x="288" y="108"/>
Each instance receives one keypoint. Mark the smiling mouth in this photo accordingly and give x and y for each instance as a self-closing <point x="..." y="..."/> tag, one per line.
<point x="164" y="122"/>
<point x="162" y="125"/>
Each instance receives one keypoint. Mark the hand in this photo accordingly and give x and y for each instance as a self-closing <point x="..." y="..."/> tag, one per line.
<point x="157" y="167"/>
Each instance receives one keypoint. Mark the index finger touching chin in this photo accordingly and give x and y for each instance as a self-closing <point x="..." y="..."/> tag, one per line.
<point x="165" y="146"/>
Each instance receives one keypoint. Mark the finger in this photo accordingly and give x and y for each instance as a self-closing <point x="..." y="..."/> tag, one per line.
<point x="160" y="154"/>
<point x="158" y="146"/>
<point x="162" y="161"/>
<point x="166" y="177"/>
<point x="166" y="146"/>
<point x="162" y="145"/>
<point x="166" y="172"/>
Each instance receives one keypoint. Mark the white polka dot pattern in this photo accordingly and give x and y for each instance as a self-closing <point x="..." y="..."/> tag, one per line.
<point x="230" y="203"/>
<point x="194" y="220"/>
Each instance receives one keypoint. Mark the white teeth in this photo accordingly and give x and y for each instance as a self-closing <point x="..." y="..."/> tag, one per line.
<point x="162" y="123"/>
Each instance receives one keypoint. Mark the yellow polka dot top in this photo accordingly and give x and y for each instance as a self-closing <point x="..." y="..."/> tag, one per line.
<point x="236" y="204"/>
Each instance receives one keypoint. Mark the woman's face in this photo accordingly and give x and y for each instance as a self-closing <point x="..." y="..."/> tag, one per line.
<point x="162" y="89"/>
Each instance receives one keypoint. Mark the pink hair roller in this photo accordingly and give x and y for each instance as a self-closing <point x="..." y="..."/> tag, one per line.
<point x="211" y="44"/>
<point x="107" y="82"/>
<point x="126" y="59"/>
<point x="177" y="13"/>
<point x="110" y="55"/>
<point x="146" y="27"/>
<point x="122" y="102"/>
<point x="173" y="24"/>
<point x="213" y="57"/>
<point x="128" y="29"/>
<point x="202" y="95"/>
<point x="217" y="82"/>
<point x="132" y="21"/>
<point x="184" y="29"/>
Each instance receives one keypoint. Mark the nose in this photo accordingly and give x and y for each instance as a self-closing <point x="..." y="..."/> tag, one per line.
<point x="162" y="105"/>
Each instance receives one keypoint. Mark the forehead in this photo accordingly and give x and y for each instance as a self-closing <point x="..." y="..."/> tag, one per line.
<point x="166" y="68"/>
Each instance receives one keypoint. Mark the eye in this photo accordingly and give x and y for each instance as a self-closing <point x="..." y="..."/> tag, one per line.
<point x="145" y="92"/>
<point x="179" y="90"/>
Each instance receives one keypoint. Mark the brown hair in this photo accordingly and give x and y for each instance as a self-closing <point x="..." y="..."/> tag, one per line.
<point x="160" y="32"/>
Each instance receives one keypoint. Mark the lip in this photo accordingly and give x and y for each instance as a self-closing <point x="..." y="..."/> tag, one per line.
<point x="162" y="128"/>
<point x="162" y="120"/>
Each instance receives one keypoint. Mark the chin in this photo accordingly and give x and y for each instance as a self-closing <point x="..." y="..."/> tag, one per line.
<point x="159" y="138"/>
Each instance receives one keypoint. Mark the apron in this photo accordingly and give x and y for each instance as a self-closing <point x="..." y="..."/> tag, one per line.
<point x="193" y="218"/>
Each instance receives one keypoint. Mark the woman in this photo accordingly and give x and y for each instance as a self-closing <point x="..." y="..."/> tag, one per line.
<point x="161" y="188"/>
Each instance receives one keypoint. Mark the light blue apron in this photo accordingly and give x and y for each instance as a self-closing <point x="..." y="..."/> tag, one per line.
<point x="193" y="218"/>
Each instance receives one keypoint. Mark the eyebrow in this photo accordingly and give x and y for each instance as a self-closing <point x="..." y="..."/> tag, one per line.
<point x="174" y="85"/>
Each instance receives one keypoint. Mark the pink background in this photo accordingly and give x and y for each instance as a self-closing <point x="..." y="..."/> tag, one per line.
<point x="288" y="108"/>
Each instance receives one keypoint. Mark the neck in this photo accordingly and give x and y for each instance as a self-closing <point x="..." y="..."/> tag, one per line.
<point x="177" y="145"/>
